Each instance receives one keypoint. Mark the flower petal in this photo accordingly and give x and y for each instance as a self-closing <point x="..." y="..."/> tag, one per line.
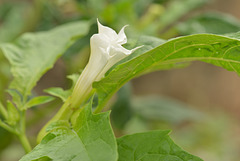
<point x="120" y="49"/>
<point x="99" y="41"/>
<point x="107" y="31"/>
<point x="122" y="38"/>
<point x="118" y="55"/>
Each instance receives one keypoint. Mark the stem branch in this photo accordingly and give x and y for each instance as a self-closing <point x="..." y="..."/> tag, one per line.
<point x="7" y="127"/>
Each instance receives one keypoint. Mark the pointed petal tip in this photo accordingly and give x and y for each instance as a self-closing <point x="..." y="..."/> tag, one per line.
<point x="122" y="38"/>
<point x="122" y="30"/>
<point x="107" y="31"/>
<point x="124" y="27"/>
<point x="98" y="22"/>
<point x="99" y="25"/>
<point x="134" y="49"/>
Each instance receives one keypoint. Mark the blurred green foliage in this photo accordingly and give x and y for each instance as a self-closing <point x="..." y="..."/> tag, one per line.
<point x="12" y="20"/>
<point x="212" y="22"/>
<point x="121" y="109"/>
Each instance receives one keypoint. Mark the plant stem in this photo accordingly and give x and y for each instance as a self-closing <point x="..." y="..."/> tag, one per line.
<point x="99" y="108"/>
<point x="19" y="131"/>
<point x="63" y="114"/>
<point x="22" y="134"/>
<point x="25" y="143"/>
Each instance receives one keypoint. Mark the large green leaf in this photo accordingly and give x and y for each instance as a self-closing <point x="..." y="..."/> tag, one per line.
<point x="149" y="43"/>
<point x="218" y="50"/>
<point x="34" y="53"/>
<point x="151" y="146"/>
<point x="91" y="139"/>
<point x="215" y="23"/>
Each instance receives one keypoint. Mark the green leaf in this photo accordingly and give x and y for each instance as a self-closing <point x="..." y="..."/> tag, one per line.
<point x="151" y="146"/>
<point x="58" y="92"/>
<point x="61" y="93"/>
<point x="96" y="134"/>
<point x="216" y="23"/>
<point x="73" y="77"/>
<point x="149" y="43"/>
<point x="91" y="139"/>
<point x="217" y="50"/>
<point x="13" y="114"/>
<point x="34" y="53"/>
<point x="17" y="97"/>
<point x="37" y="101"/>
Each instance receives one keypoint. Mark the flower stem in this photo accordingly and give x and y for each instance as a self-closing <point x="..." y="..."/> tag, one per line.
<point x="63" y="114"/>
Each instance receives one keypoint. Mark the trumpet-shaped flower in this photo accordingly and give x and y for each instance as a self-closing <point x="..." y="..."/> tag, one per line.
<point x="106" y="50"/>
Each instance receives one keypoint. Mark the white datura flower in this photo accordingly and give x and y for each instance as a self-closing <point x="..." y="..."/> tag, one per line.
<point x="106" y="50"/>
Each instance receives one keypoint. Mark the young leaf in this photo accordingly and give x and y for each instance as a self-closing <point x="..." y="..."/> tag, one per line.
<point x="37" y="101"/>
<point x="16" y="96"/>
<point x="58" y="92"/>
<point x="13" y="114"/>
<point x="61" y="93"/>
<point x="91" y="139"/>
<point x="217" y="50"/>
<point x="151" y="146"/>
<point x="33" y="54"/>
<point x="73" y="77"/>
